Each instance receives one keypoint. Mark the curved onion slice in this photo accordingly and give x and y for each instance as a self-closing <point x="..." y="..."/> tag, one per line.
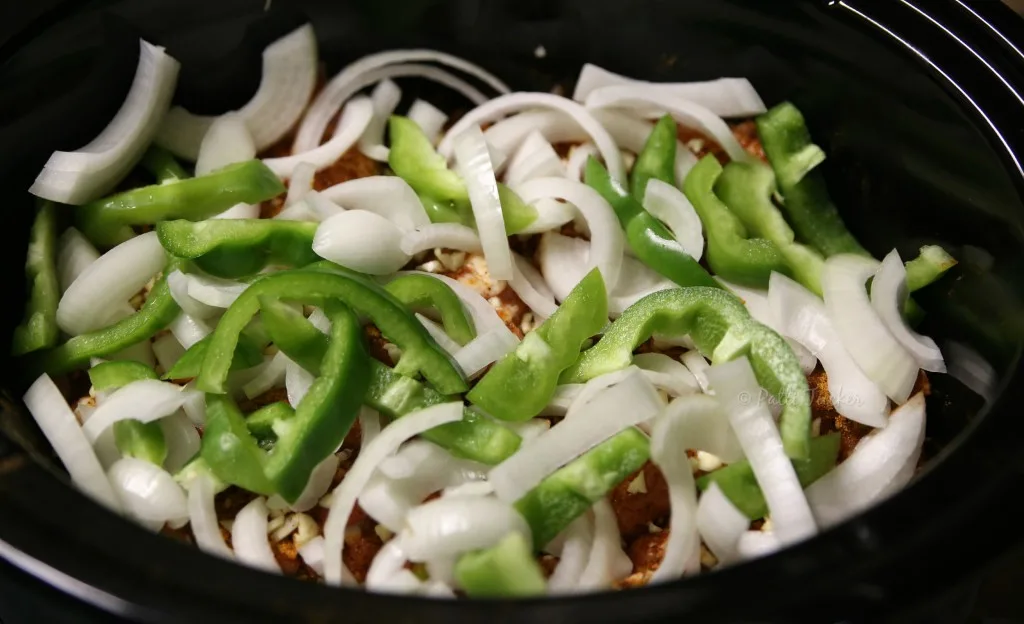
<point x="81" y="176"/>
<point x="58" y="423"/>
<point x="355" y="117"/>
<point x="389" y="561"/>
<point x="485" y="349"/>
<point x="270" y="374"/>
<point x="149" y="492"/>
<point x="96" y="298"/>
<point x="607" y="241"/>
<point x="312" y="553"/>
<point x="606" y="563"/>
<point x="735" y="385"/>
<point x="437" y="332"/>
<point x="688" y="113"/>
<point x="726" y="97"/>
<point x="873" y="347"/>
<point x="706" y="427"/>
<point x="474" y="163"/>
<point x="756" y="544"/>
<point x="451" y="526"/>
<point x="757" y="303"/>
<point x="888" y="295"/>
<point x="515" y="102"/>
<point x="485" y="317"/>
<point x="576" y="543"/>
<point x="385" y="97"/>
<point x="75" y="254"/>
<point x="202" y="516"/>
<point x="344" y="497"/>
<point x="187" y="330"/>
<point x="881" y="464"/>
<point x="319" y="482"/>
<point x="289" y="75"/>
<point x="802" y="316"/>
<point x="440" y="236"/>
<point x="429" y="118"/>
<point x="297" y="382"/>
<point x="528" y="283"/>
<point x="535" y="158"/>
<point x="214" y="291"/>
<point x="300" y="184"/>
<point x="562" y="400"/>
<point x="249" y="537"/>
<point x="696" y="364"/>
<point x="145" y="400"/>
<point x="666" y="373"/>
<point x="551" y="215"/>
<point x="668" y="439"/>
<point x="668" y="204"/>
<point x="389" y="196"/>
<point x="182" y="440"/>
<point x="578" y="157"/>
<point x="720" y="524"/>
<point x="227" y="141"/>
<point x="167" y="351"/>
<point x="362" y="241"/>
<point x="178" y="283"/>
<point x="341" y="87"/>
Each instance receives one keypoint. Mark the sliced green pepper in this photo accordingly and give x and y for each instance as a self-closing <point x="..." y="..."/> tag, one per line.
<point x="39" y="329"/>
<point x="105" y="221"/>
<point x="413" y="158"/>
<point x="517" y="214"/>
<point x="739" y="484"/>
<point x="649" y="239"/>
<point x="423" y="291"/>
<point x="419" y="351"/>
<point x="263" y="421"/>
<point x="230" y="451"/>
<point x="233" y="248"/>
<point x="731" y="254"/>
<point x="931" y="263"/>
<point x="117" y="373"/>
<point x="287" y="326"/>
<point x="507" y="569"/>
<point x="162" y="165"/>
<point x="522" y="382"/>
<point x="247" y="354"/>
<point x="657" y="160"/>
<point x="439" y="211"/>
<point x="570" y="491"/>
<point x="133" y="438"/>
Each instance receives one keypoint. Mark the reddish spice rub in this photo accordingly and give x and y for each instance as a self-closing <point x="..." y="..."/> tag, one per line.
<point x="744" y="131"/>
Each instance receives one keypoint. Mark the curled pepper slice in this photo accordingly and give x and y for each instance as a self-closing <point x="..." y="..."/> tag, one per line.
<point x="423" y="291"/>
<point x="249" y="353"/>
<point x="414" y="159"/>
<point x="39" y="329"/>
<point x="233" y="248"/>
<point x="133" y="438"/>
<point x="161" y="163"/>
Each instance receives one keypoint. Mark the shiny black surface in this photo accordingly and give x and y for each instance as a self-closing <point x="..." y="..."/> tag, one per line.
<point x="918" y="106"/>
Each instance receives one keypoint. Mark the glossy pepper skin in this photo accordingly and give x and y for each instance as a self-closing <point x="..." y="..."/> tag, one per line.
<point x="657" y="160"/>
<point x="162" y="165"/>
<point x="247" y="354"/>
<point x="230" y="451"/>
<point x="515" y="213"/>
<point x="261" y="423"/>
<point x="106" y="221"/>
<point x="522" y="382"/>
<point x="423" y="291"/>
<point x="287" y="326"/>
<point x="414" y="159"/>
<point x="931" y="263"/>
<point x="649" y="239"/>
<point x="507" y="569"/>
<point x="133" y="438"/>
<point x="741" y="260"/>
<point x="738" y="483"/>
<point x="721" y="327"/>
<point x="233" y="248"/>
<point x="570" y="491"/>
<point x="419" y="351"/>
<point x="39" y="328"/>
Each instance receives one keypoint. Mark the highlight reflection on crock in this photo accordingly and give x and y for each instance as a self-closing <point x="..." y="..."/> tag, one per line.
<point x="837" y="396"/>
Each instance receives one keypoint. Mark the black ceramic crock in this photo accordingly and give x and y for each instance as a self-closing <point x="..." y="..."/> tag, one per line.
<point x="918" y="104"/>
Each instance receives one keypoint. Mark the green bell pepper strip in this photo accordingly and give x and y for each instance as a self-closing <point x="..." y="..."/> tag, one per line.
<point x="806" y="203"/>
<point x="287" y="326"/>
<point x="423" y="291"/>
<point x="157" y="313"/>
<point x="133" y="438"/>
<point x="649" y="239"/>
<point x="413" y="158"/>
<point x="522" y="382"/>
<point x="570" y="491"/>
<point x="162" y="164"/>
<point x="419" y="351"/>
<point x="507" y="569"/>
<point x="261" y="423"/>
<point x="231" y="452"/>
<point x="248" y="354"/>
<point x="738" y="483"/>
<point x="657" y="160"/>
<point x="39" y="328"/>
<point x="516" y="214"/>
<point x="105" y="221"/>
<point x="232" y="248"/>
<point x="731" y="254"/>
<point x="721" y="327"/>
<point x="439" y="211"/>
<point x="931" y="263"/>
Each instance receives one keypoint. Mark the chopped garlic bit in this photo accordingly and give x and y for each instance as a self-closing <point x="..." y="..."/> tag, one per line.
<point x="276" y="522"/>
<point x="308" y="529"/>
<point x="431" y="266"/>
<point x="707" y="558"/>
<point x="695" y="145"/>
<point x="325" y="500"/>
<point x="816" y="427"/>
<point x="474" y="274"/>
<point x="383" y="532"/>
<point x="451" y="260"/>
<point x="287" y="527"/>
<point x="270" y="349"/>
<point x="694" y="464"/>
<point x="394" y="352"/>
<point x="529" y="323"/>
<point x="653" y="528"/>
<point x="767" y="526"/>
<point x="638" y="485"/>
<point x="708" y="462"/>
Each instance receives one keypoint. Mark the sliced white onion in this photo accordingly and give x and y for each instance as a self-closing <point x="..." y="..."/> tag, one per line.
<point x="756" y="544"/>
<point x="607" y="562"/>
<point x="535" y="158"/>
<point x="668" y="204"/>
<point x="440" y="236"/>
<point x="389" y="561"/>
<point x="344" y="84"/>
<point x="271" y="374"/>
<point x="227" y="141"/>
<point x="666" y="373"/>
<point x="240" y="211"/>
<point x="529" y="285"/>
<point x="74" y="255"/>
<point x="888" y="295"/>
<point x="429" y="118"/>
<point x="735" y="385"/>
<point x="705" y="427"/>
<point x="344" y="497"/>
<point x="668" y="440"/>
<point x="484" y="350"/>
<point x="297" y="382"/>
<point x="688" y="113"/>
<point x="758" y="304"/>
<point x="178" y="283"/>
<point x="881" y="464"/>
<point x="802" y="316"/>
<point x="249" y="537"/>
<point x="726" y="97"/>
<point x="515" y="102"/>
<point x="182" y="441"/>
<point x="437" y="332"/>
<point x="202" y="516"/>
<point x="97" y="296"/>
<point x="355" y="117"/>
<point x="312" y="553"/>
<point x="214" y="291"/>
<point x="320" y="206"/>
<point x="362" y="241"/>
<point x="696" y="364"/>
<point x="301" y="183"/>
<point x="471" y="488"/>
<point x="385" y="97"/>
<point x="873" y="347"/>
<point x="627" y="403"/>
<point x="149" y="493"/>
<point x="485" y="317"/>
<point x="475" y="165"/>
<point x="551" y="215"/>
<point x="81" y="176"/>
<point x="188" y="330"/>
<point x="562" y="399"/>
<point x="145" y="400"/>
<point x="577" y="162"/>
<point x="58" y="423"/>
<point x="576" y="543"/>
<point x="319" y="482"/>
<point x="720" y="524"/>
<point x="167" y="351"/>
<point x="389" y="196"/>
<point x="451" y="526"/>
<point x="288" y="79"/>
